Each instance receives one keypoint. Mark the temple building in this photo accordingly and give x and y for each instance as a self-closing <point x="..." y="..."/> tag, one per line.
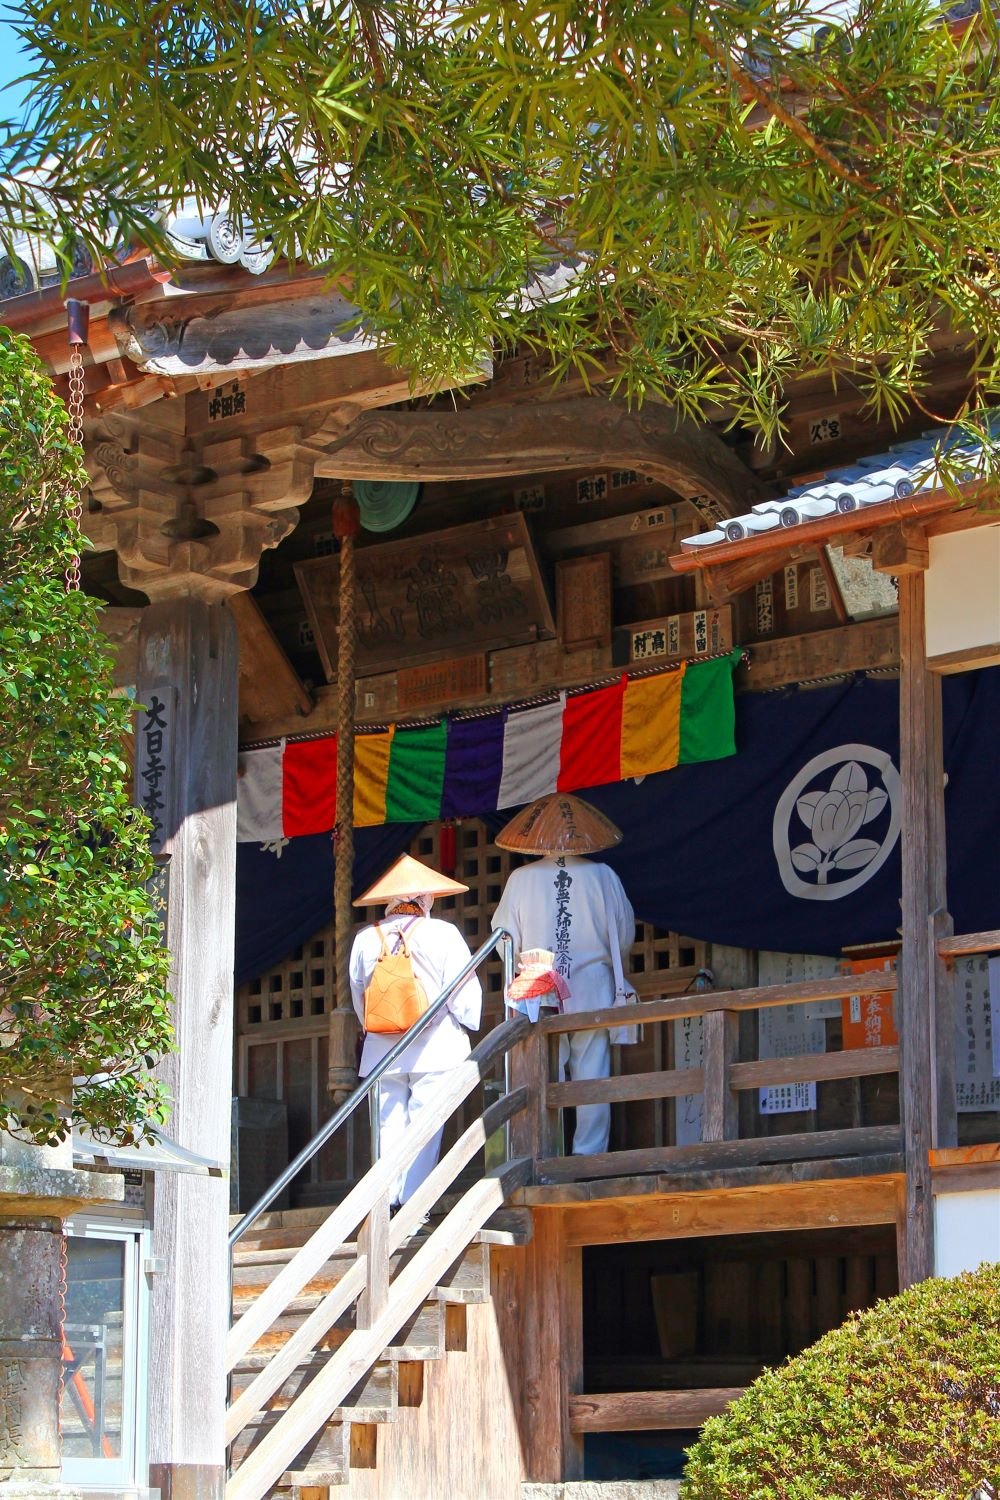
<point x="347" y="604"/>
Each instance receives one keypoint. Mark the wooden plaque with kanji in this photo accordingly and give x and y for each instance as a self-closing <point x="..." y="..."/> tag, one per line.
<point x="433" y="597"/>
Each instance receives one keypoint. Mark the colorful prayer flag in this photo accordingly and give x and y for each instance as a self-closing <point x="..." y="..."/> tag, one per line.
<point x="467" y="765"/>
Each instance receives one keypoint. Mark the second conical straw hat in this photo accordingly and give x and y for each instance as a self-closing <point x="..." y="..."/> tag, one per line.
<point x="559" y="824"/>
<point x="408" y="877"/>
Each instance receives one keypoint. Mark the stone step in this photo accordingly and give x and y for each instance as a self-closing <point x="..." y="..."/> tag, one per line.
<point x="374" y="1399"/>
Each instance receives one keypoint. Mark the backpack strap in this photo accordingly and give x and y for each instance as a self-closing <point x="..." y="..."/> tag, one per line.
<point x="401" y="934"/>
<point x="381" y="938"/>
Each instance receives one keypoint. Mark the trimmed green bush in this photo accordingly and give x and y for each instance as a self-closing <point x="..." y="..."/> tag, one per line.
<point x="900" y="1403"/>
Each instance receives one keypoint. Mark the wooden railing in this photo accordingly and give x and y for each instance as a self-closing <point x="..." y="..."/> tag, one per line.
<point x="383" y="1302"/>
<point x="720" y="1080"/>
<point x="963" y="945"/>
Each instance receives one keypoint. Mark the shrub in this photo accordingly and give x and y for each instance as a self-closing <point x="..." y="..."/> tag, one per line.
<point x="82" y="972"/>
<point x="900" y="1403"/>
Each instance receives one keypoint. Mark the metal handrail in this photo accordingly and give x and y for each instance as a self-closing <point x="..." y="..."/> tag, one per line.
<point x="366" y="1085"/>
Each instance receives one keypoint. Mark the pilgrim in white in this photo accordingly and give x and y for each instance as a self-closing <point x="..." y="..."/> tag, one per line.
<point x="438" y="953"/>
<point x="577" y="909"/>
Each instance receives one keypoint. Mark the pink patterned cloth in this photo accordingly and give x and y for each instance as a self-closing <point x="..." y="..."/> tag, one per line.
<point x="532" y="981"/>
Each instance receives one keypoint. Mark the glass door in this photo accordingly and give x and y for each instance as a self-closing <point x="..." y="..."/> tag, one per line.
<point x="103" y="1399"/>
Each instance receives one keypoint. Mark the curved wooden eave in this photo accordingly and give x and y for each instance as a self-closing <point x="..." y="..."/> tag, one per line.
<point x="485" y="443"/>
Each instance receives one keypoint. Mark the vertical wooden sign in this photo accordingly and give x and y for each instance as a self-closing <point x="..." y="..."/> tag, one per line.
<point x="583" y="599"/>
<point x="153" y="762"/>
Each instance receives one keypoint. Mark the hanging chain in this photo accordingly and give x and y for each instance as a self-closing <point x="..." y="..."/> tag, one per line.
<point x="78" y="336"/>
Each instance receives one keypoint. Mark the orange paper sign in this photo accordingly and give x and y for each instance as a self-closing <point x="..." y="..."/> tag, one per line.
<point x="868" y="1019"/>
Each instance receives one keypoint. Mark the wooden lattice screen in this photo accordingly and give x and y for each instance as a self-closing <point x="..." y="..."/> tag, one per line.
<point x="282" y="1017"/>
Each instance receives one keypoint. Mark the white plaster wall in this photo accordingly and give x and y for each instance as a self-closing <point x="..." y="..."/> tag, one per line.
<point x="962" y="590"/>
<point x="966" y="1230"/>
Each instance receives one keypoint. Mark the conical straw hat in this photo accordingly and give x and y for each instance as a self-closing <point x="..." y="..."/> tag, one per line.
<point x="559" y="824"/>
<point x="408" y="877"/>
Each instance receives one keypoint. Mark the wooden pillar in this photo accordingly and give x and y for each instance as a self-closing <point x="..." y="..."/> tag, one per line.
<point x="552" y="1351"/>
<point x="186" y="777"/>
<point x="926" y="1009"/>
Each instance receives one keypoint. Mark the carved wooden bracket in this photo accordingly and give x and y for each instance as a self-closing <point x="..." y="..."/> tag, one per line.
<point x="192" y="515"/>
<point x="482" y="442"/>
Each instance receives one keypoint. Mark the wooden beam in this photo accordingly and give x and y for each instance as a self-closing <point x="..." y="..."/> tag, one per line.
<point x="968" y="659"/>
<point x="649" y="1411"/>
<point x="964" y="519"/>
<point x="300" y="394"/>
<point x="726" y="580"/>
<point x="969" y="942"/>
<point x="966" y="1169"/>
<point x="671" y="1083"/>
<point x="836" y="987"/>
<point x="862" y="1062"/>
<point x="270" y="687"/>
<point x="482" y="442"/>
<point x="520" y="670"/>
<point x="717" y="1154"/>
<point x="900" y="549"/>
<point x="699" y="1182"/>
<point x="767" y="1209"/>
<point x="868" y="645"/>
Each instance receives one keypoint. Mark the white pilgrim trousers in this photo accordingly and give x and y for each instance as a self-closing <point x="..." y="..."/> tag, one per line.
<point x="403" y="1097"/>
<point x="588" y="1055"/>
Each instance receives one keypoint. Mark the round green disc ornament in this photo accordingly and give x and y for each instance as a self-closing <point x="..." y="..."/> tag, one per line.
<point x="385" y="504"/>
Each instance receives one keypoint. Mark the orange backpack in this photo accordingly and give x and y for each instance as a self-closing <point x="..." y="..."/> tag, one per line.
<point x="394" y="996"/>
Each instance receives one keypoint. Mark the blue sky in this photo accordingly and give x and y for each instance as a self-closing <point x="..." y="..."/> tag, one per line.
<point x="12" y="64"/>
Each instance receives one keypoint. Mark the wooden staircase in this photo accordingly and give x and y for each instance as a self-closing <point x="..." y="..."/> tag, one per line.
<point x="333" y="1323"/>
<point x="396" y="1381"/>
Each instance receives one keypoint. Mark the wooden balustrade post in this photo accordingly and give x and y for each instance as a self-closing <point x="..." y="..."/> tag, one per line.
<point x="531" y="1134"/>
<point x="373" y="1243"/>
<point x="721" y="1116"/>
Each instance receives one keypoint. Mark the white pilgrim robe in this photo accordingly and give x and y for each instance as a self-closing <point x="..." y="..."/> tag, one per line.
<point x="576" y="909"/>
<point x="439" y="953"/>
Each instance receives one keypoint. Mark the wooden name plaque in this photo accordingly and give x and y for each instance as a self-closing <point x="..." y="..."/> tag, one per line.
<point x="701" y="632"/>
<point x="583" y="600"/>
<point x="429" y="598"/>
<point x="440" y="683"/>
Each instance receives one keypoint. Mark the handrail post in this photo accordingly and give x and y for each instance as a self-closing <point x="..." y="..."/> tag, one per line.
<point x="532" y="1132"/>
<point x="375" y="1120"/>
<point x="373" y="1244"/>
<point x="507" y="960"/>
<point x="721" y="1116"/>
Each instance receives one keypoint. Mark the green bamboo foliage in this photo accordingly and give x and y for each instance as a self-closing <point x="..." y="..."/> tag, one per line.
<point x="82" y="971"/>
<point x="745" y="197"/>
